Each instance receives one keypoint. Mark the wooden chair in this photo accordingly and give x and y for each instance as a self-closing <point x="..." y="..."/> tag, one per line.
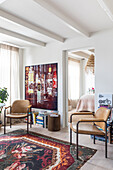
<point x="90" y="126"/>
<point x="20" y="109"/>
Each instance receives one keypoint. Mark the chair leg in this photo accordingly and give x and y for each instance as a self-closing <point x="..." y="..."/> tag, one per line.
<point x="94" y="139"/>
<point x="4" y="123"/>
<point x="30" y="121"/>
<point x="70" y="136"/>
<point x="77" y="144"/>
<point x="10" y="122"/>
<point x="106" y="142"/>
<point x="77" y="141"/>
<point x="30" y="125"/>
<point x="27" y="124"/>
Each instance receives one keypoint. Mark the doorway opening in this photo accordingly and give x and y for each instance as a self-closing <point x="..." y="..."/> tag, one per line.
<point x="81" y="80"/>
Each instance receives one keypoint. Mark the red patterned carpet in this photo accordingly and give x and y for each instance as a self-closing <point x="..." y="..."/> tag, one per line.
<point x="21" y="151"/>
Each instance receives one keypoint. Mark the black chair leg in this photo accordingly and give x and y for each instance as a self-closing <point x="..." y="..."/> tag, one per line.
<point x="10" y="122"/>
<point x="27" y="124"/>
<point x="106" y="142"/>
<point x="30" y="125"/>
<point x="4" y="122"/>
<point x="30" y="121"/>
<point x="94" y="139"/>
<point x="70" y="136"/>
<point x="77" y="142"/>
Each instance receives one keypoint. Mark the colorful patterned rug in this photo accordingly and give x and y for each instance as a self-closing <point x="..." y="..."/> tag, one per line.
<point x="21" y="151"/>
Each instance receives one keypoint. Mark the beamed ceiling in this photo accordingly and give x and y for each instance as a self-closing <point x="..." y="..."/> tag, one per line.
<point x="39" y="22"/>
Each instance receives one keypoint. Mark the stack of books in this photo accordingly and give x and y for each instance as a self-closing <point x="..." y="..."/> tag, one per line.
<point x="34" y="114"/>
<point x="39" y="120"/>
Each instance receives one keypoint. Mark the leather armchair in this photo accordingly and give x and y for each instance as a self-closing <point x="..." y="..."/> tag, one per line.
<point x="90" y="125"/>
<point x="20" y="109"/>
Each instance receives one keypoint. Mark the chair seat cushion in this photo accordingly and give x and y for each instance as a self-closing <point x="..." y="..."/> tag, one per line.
<point x="16" y="115"/>
<point x="84" y="128"/>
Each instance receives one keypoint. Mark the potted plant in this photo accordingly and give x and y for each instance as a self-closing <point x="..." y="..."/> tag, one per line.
<point x="3" y="95"/>
<point x="3" y="98"/>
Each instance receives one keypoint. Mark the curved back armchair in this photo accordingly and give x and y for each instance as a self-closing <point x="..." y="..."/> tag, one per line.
<point x="90" y="125"/>
<point x="19" y="109"/>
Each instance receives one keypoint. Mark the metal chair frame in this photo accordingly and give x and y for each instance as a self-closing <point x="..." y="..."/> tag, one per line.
<point x="86" y="133"/>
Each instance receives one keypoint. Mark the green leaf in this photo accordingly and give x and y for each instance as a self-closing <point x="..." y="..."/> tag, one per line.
<point x="3" y="94"/>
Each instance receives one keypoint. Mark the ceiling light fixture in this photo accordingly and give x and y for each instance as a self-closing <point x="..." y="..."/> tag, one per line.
<point x="104" y="4"/>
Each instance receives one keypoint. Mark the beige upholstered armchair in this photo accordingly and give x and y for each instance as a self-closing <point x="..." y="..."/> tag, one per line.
<point x="90" y="125"/>
<point x="20" y="109"/>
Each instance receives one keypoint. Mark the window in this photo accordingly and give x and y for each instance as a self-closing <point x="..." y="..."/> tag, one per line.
<point x="90" y="82"/>
<point x="73" y="79"/>
<point x="9" y="71"/>
<point x="89" y="74"/>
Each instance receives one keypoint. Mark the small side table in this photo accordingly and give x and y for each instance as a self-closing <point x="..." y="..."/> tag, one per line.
<point x="53" y="122"/>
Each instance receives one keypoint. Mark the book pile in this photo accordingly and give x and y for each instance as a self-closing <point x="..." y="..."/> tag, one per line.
<point x="34" y="115"/>
<point x="39" y="120"/>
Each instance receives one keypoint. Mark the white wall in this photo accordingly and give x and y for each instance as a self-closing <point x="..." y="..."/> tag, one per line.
<point x="101" y="41"/>
<point x="44" y="55"/>
<point x="21" y="72"/>
<point x="104" y="62"/>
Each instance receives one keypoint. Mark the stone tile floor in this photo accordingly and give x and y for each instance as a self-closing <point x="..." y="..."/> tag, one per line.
<point x="97" y="162"/>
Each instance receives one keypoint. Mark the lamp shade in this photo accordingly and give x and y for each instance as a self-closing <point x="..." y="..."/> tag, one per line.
<point x="90" y="64"/>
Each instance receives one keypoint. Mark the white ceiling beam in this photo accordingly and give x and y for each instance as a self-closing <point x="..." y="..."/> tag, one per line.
<point x="22" y="37"/>
<point x="74" y="56"/>
<point x="66" y="20"/>
<point x="1" y="1"/>
<point x="89" y="52"/>
<point x="81" y="53"/>
<point x="107" y="6"/>
<point x="16" y="20"/>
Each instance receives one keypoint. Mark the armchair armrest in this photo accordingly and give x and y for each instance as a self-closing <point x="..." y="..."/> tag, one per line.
<point x="91" y="120"/>
<point x="29" y="106"/>
<point x="8" y="107"/>
<point x="80" y="113"/>
<point x="29" y="109"/>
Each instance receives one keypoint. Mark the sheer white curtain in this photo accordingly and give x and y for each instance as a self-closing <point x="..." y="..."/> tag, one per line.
<point x="73" y="79"/>
<point x="9" y="71"/>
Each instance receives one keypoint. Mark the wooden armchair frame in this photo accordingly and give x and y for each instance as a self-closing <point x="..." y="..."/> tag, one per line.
<point x="17" y="117"/>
